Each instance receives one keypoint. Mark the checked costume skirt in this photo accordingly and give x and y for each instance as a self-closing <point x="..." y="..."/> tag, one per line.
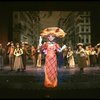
<point x="50" y="68"/>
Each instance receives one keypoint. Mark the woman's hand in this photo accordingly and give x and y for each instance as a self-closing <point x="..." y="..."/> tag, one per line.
<point x="59" y="50"/>
<point x="63" y="47"/>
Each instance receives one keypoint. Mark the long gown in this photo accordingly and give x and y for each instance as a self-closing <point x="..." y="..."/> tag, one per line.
<point x="71" y="60"/>
<point x="50" y="68"/>
<point x="18" y="63"/>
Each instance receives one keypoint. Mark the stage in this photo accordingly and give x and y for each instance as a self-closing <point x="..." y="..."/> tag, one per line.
<point x="29" y="84"/>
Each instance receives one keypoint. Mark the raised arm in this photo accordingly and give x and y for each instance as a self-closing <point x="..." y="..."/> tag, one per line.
<point x="40" y="41"/>
<point x="62" y="48"/>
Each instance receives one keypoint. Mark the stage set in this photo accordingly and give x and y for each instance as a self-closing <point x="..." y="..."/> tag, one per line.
<point x="21" y="23"/>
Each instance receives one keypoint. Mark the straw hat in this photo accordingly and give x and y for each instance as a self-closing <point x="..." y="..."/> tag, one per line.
<point x="8" y="43"/>
<point x="79" y="44"/>
<point x="25" y="42"/>
<point x="98" y="45"/>
<point x="17" y="43"/>
<point x="55" y="31"/>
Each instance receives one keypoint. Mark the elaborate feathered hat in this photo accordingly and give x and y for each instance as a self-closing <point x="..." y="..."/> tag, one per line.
<point x="55" y="31"/>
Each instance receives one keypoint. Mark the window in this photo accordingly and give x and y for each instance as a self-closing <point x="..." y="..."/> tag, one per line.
<point x="82" y="28"/>
<point x="87" y="29"/>
<point x="77" y="29"/>
<point x="87" y="40"/>
<point x="87" y="20"/>
<point x="82" y="40"/>
<point x="81" y="20"/>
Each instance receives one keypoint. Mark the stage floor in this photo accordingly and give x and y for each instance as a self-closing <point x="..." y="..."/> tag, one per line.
<point x="29" y="84"/>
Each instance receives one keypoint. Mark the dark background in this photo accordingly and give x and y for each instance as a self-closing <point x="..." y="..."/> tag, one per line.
<point x="7" y="7"/>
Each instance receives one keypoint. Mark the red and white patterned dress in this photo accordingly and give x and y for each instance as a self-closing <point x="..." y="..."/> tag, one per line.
<point x="50" y="67"/>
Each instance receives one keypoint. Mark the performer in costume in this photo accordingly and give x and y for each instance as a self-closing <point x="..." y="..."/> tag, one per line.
<point x="33" y="55"/>
<point x="87" y="56"/>
<point x="93" y="57"/>
<point x="65" y="51"/>
<point x="81" y="57"/>
<point x="70" y="57"/>
<point x="98" y="54"/>
<point x="39" y="57"/>
<point x="51" y="47"/>
<point x="2" y="51"/>
<point x="24" y="55"/>
<point x="18" y="63"/>
<point x="10" y="52"/>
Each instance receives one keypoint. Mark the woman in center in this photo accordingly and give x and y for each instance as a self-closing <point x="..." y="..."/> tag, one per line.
<point x="51" y="47"/>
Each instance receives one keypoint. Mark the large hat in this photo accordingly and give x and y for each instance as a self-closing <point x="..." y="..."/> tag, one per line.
<point x="17" y="43"/>
<point x="8" y="43"/>
<point x="98" y="45"/>
<point x="26" y="43"/>
<point x="79" y="44"/>
<point x="55" y="31"/>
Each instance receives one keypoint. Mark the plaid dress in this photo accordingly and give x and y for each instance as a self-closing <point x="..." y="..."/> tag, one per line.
<point x="50" y="68"/>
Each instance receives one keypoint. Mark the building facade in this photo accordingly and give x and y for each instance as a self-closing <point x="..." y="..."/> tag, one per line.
<point x="83" y="27"/>
<point x="25" y="26"/>
<point x="77" y="25"/>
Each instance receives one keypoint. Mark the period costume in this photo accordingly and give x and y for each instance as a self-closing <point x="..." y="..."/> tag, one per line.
<point x="70" y="58"/>
<point x="18" y="63"/>
<point x="93" y="57"/>
<point x="65" y="51"/>
<point x="39" y="58"/>
<point x="24" y="56"/>
<point x="81" y="54"/>
<point x="82" y="58"/>
<point x="50" y="64"/>
<point x="33" y="55"/>
<point x="98" y="54"/>
<point x="1" y="57"/>
<point x="87" y="56"/>
<point x="10" y="53"/>
<point x="50" y="67"/>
